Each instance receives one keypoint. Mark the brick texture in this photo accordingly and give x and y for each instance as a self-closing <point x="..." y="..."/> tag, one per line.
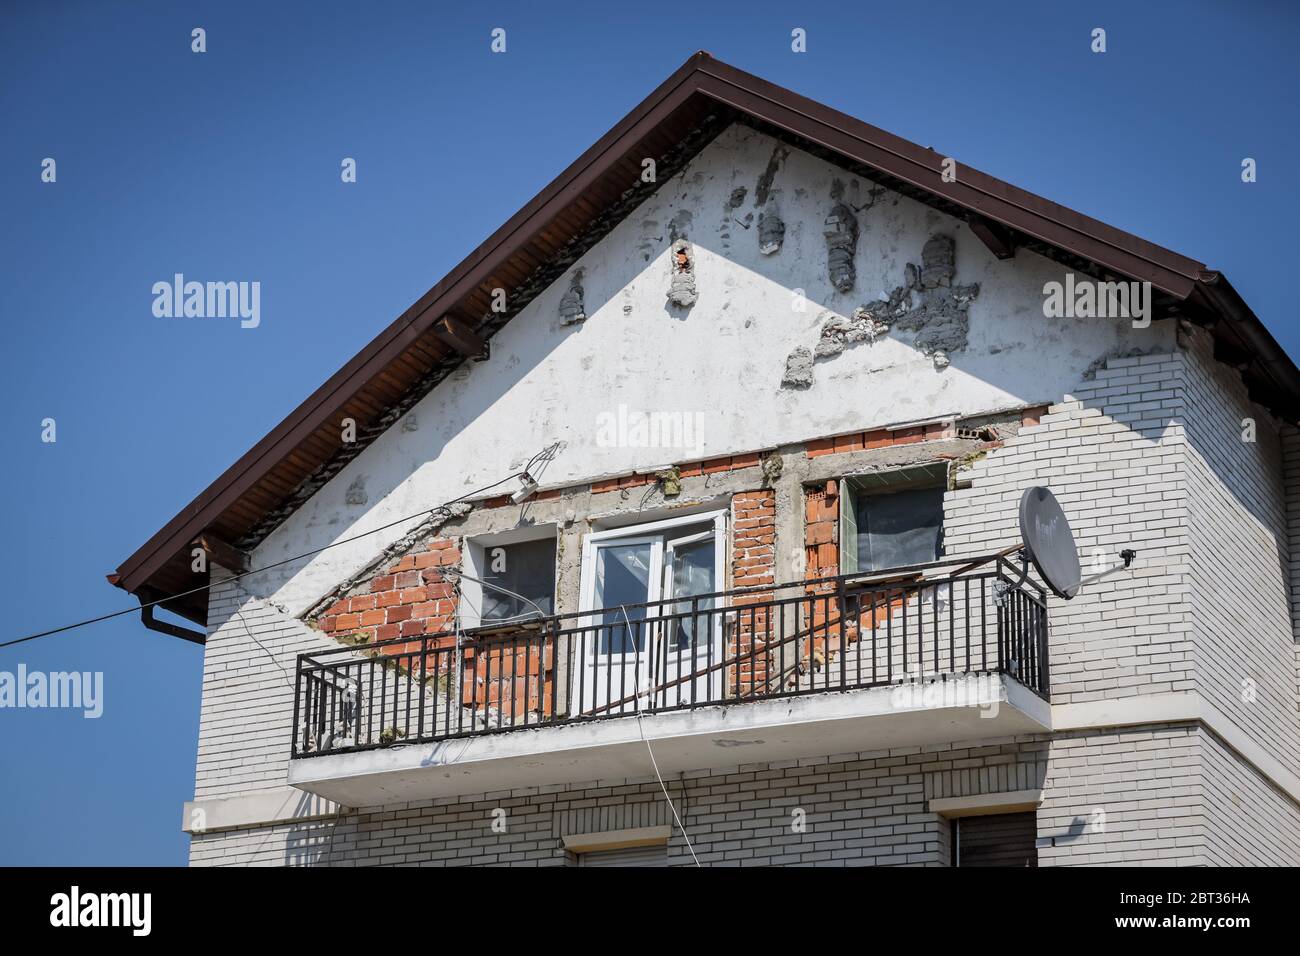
<point x="753" y="561"/>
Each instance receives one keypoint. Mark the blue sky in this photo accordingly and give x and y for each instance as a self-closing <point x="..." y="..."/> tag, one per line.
<point x="226" y="165"/>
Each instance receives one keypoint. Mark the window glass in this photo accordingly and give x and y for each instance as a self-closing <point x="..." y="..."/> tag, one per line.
<point x="623" y="577"/>
<point x="898" y="529"/>
<point x="693" y="572"/>
<point x="527" y="568"/>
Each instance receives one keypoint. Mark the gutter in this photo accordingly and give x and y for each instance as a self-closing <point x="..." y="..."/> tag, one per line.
<point x="1278" y="370"/>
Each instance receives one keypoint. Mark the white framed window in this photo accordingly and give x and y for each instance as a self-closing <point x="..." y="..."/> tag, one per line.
<point x="654" y="626"/>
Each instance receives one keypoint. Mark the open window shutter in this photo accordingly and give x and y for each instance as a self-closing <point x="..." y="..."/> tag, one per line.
<point x="848" y="529"/>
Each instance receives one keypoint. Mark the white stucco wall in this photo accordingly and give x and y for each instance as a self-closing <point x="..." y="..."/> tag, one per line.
<point x="720" y="361"/>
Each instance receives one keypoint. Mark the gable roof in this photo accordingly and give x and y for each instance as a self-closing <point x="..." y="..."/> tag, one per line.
<point x="453" y="320"/>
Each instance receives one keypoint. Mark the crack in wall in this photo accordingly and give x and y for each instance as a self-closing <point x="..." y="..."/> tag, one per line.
<point x="427" y="527"/>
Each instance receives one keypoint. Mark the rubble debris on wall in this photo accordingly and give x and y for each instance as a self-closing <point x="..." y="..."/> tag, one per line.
<point x="771" y="232"/>
<point x="798" y="369"/>
<point x="572" y="309"/>
<point x="927" y="304"/>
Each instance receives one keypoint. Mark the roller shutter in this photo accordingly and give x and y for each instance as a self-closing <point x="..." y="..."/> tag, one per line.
<point x="1003" y="839"/>
<point x="628" y="856"/>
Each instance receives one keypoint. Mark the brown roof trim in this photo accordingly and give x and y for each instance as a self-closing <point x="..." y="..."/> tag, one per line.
<point x="1022" y="212"/>
<point x="978" y="192"/>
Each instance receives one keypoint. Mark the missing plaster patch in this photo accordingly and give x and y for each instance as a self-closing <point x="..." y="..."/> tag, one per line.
<point x="403" y="545"/>
<point x="681" y="288"/>
<point x="764" y="186"/>
<point x="927" y="304"/>
<point x="356" y="493"/>
<point x="838" y="332"/>
<point x="772" y="465"/>
<point x="572" y="310"/>
<point x="798" y="369"/>
<point x="841" y="233"/>
<point x="771" y="232"/>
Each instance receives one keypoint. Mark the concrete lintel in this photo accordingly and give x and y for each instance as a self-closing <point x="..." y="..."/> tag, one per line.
<point x="985" y="804"/>
<point x="617" y="839"/>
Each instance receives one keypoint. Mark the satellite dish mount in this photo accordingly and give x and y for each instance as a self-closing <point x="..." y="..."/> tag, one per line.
<point x="1048" y="544"/>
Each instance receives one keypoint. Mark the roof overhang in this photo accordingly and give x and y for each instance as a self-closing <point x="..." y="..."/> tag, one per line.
<point x="453" y="321"/>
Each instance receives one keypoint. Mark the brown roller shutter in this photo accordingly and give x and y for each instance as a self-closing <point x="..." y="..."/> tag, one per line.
<point x="627" y="856"/>
<point x="1003" y="839"/>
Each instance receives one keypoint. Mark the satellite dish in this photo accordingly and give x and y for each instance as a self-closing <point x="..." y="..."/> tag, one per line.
<point x="1050" y="542"/>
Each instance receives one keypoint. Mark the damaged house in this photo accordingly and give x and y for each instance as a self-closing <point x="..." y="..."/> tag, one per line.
<point x="451" y="616"/>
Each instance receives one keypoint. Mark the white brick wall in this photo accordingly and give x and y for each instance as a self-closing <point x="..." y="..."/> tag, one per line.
<point x="1131" y="797"/>
<point x="858" y="810"/>
<point x="1114" y="456"/>
<point x="248" y="673"/>
<point x="1240" y="572"/>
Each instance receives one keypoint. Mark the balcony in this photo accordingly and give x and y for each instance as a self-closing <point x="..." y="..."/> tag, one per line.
<point x="946" y="651"/>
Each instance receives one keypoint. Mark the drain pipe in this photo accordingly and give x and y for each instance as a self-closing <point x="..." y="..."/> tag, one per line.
<point x="144" y="596"/>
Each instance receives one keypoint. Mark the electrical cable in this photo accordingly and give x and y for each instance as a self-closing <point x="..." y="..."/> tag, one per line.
<point x="546" y="453"/>
<point x="636" y="687"/>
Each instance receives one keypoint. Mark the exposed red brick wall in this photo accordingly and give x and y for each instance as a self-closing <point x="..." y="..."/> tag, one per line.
<point x="821" y="530"/>
<point x="822" y="551"/>
<point x="408" y="598"/>
<point x="712" y="466"/>
<point x="753" y="563"/>
<point x="880" y="438"/>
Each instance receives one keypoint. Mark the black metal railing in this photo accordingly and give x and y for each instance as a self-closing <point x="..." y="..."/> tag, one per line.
<point x="935" y="622"/>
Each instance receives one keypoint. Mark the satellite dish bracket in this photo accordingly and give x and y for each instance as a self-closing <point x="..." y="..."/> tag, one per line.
<point x="1126" y="558"/>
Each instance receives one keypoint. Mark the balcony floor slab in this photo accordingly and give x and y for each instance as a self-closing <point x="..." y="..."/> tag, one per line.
<point x="971" y="707"/>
